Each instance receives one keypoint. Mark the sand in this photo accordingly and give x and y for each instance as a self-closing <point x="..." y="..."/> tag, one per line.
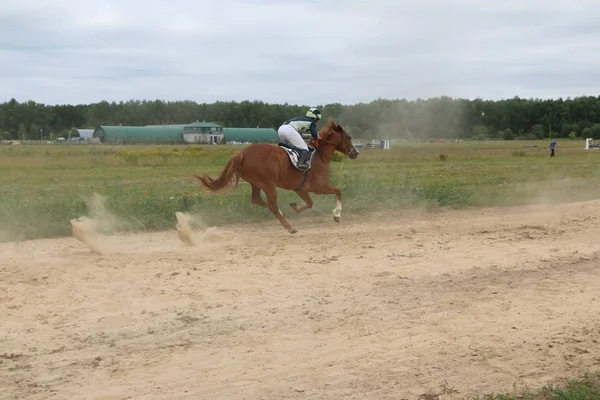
<point x="392" y="306"/>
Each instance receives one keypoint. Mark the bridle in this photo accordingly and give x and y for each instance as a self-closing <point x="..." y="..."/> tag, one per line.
<point x="350" y="148"/>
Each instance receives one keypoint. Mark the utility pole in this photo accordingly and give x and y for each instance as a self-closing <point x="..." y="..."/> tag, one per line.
<point x="41" y="133"/>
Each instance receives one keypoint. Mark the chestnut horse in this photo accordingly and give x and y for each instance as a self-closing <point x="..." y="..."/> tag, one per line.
<point x="266" y="167"/>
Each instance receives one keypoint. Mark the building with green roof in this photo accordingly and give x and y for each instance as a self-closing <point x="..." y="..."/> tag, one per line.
<point x="167" y="134"/>
<point x="160" y="134"/>
<point x="195" y="132"/>
<point x="250" y="135"/>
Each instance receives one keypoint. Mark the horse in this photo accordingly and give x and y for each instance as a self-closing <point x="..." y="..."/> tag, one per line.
<point x="267" y="166"/>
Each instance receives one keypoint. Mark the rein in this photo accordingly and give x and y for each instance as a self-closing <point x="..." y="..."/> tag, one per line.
<point x="320" y="141"/>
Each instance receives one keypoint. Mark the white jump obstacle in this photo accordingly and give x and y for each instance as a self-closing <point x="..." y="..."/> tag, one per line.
<point x="383" y="144"/>
<point x="589" y="144"/>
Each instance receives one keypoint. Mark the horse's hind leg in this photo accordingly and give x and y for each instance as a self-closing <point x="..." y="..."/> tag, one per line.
<point x="256" y="199"/>
<point x="306" y="197"/>
<point x="271" y="192"/>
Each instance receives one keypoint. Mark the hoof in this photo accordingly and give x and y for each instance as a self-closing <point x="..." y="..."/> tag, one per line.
<point x="336" y="219"/>
<point x="292" y="231"/>
<point x="293" y="205"/>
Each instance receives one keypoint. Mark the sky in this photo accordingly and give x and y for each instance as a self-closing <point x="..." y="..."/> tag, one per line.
<point x="304" y="52"/>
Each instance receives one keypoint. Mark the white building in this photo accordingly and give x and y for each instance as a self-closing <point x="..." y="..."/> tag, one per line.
<point x="202" y="137"/>
<point x="202" y="133"/>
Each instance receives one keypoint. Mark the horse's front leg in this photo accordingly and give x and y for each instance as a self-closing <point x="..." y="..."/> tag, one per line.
<point x="337" y="211"/>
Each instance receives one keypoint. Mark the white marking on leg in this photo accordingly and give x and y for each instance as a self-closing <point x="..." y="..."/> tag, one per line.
<point x="337" y="211"/>
<point x="280" y="213"/>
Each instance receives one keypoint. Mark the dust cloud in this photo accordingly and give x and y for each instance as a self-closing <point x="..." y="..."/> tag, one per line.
<point x="101" y="222"/>
<point x="203" y="234"/>
<point x="441" y="117"/>
<point x="100" y="231"/>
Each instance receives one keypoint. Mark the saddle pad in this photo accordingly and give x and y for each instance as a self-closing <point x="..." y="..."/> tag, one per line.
<point x="293" y="154"/>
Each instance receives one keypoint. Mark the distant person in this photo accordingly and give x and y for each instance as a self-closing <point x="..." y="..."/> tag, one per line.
<point x="552" y="147"/>
<point x="290" y="133"/>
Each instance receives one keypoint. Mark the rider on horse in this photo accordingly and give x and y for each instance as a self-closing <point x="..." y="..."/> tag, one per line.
<point x="290" y="133"/>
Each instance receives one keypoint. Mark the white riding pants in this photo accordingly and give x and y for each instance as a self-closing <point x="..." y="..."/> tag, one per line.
<point x="289" y="135"/>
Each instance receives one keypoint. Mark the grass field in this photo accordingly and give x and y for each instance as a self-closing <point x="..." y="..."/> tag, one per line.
<point x="44" y="186"/>
<point x="586" y="387"/>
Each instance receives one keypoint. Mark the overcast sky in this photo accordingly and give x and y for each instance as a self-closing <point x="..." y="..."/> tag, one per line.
<point x="297" y="51"/>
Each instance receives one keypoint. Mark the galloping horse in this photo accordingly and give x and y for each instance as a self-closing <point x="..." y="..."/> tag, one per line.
<point x="267" y="167"/>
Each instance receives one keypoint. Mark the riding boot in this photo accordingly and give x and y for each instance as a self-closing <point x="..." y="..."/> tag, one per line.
<point x="303" y="159"/>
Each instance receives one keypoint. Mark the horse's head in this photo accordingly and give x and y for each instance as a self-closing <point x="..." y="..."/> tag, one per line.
<point x="333" y="134"/>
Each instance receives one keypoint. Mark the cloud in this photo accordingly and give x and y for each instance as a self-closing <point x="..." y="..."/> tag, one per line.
<point x="294" y="51"/>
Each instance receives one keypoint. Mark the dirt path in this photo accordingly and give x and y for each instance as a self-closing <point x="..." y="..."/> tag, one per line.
<point x="389" y="307"/>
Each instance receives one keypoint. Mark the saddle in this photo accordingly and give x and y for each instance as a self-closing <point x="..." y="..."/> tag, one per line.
<point x="294" y="155"/>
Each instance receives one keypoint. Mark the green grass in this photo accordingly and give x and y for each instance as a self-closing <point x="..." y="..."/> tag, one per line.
<point x="42" y="187"/>
<point x="585" y="387"/>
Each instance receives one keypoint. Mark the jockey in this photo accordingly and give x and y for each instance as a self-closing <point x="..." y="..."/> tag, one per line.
<point x="290" y="133"/>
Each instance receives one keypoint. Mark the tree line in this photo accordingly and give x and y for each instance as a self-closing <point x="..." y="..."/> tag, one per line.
<point x="441" y="117"/>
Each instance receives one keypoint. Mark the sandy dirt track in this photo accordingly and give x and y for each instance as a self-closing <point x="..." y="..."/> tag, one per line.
<point x="386" y="307"/>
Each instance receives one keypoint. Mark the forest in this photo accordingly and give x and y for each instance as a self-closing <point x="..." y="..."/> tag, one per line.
<point x="434" y="118"/>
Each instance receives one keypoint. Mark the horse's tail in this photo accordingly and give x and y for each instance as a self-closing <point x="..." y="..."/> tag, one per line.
<point x="230" y="176"/>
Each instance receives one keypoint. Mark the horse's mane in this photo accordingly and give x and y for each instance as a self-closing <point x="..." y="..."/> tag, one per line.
<point x="331" y="125"/>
